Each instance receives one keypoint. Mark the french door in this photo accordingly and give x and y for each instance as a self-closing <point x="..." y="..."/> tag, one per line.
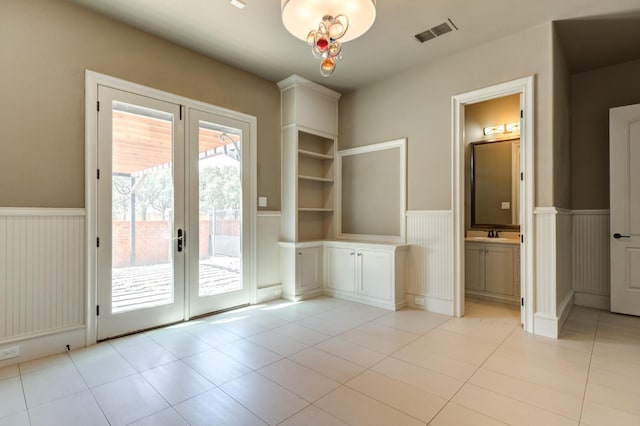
<point x="170" y="210"/>
<point x="217" y="206"/>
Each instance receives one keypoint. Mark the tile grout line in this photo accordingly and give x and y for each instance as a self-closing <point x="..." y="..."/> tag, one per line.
<point x="87" y="385"/>
<point x="24" y="394"/>
<point x="387" y="356"/>
<point x="370" y="368"/>
<point x="450" y="401"/>
<point x="586" y="384"/>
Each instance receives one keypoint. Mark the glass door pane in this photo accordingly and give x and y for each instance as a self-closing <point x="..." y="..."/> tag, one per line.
<point x="140" y="213"/>
<point x="220" y="197"/>
<point x="142" y="208"/>
<point x="217" y="206"/>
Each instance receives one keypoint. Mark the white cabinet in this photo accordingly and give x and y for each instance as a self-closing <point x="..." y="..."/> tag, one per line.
<point x="369" y="273"/>
<point x="309" y="141"/>
<point x="309" y="269"/>
<point x="310" y="105"/>
<point x="340" y="269"/>
<point x="492" y="270"/>
<point x="301" y="270"/>
<point x="376" y="274"/>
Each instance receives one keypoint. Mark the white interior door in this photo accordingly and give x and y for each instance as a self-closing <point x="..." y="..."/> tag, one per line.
<point x="140" y="213"/>
<point x="624" y="163"/>
<point x="219" y="211"/>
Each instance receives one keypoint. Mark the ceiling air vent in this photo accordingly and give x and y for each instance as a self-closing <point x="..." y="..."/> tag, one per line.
<point x="437" y="31"/>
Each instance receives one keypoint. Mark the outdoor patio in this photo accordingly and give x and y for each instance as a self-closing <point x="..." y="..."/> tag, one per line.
<point x="136" y="287"/>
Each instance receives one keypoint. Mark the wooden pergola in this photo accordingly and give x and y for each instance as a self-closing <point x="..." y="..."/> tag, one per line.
<point x="141" y="142"/>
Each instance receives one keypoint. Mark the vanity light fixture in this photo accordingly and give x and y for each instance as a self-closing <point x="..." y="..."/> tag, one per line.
<point x="494" y="130"/>
<point x="501" y="128"/>
<point x="326" y="24"/>
<point x="512" y="127"/>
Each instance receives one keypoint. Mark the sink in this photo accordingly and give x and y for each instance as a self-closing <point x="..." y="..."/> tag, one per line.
<point x="493" y="240"/>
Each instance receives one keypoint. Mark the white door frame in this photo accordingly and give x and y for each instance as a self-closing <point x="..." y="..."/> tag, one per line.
<point x="524" y="87"/>
<point x="92" y="81"/>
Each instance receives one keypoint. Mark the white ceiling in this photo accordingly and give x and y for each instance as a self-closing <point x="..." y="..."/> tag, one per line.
<point x="255" y="40"/>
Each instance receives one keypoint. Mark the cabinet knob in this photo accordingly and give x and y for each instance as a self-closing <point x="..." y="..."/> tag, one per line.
<point x="359" y="254"/>
<point x="352" y="253"/>
<point x="299" y="252"/>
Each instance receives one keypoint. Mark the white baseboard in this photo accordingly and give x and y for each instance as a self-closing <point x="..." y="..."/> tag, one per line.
<point x="597" y="301"/>
<point x="431" y="304"/>
<point x="266" y="294"/>
<point x="565" y="309"/>
<point x="550" y="326"/>
<point x="544" y="325"/>
<point x="46" y="344"/>
<point x="303" y="296"/>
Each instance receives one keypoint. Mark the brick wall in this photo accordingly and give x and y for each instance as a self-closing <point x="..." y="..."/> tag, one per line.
<point x="153" y="243"/>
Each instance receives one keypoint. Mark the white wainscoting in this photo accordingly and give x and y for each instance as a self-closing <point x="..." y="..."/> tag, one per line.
<point x="591" y="259"/>
<point x="430" y="234"/>
<point x="553" y="295"/>
<point x="42" y="279"/>
<point x="268" y="256"/>
<point x="564" y="265"/>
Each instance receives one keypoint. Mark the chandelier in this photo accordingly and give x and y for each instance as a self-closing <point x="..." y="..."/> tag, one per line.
<point x="326" y="24"/>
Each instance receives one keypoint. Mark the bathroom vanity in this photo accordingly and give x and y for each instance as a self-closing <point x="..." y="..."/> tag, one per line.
<point x="492" y="268"/>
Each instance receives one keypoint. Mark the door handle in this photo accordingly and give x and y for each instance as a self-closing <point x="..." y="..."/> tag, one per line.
<point x="617" y="236"/>
<point x="181" y="237"/>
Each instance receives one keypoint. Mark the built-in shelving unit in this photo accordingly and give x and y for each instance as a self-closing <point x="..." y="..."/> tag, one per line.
<point x="309" y="145"/>
<point x="315" y="186"/>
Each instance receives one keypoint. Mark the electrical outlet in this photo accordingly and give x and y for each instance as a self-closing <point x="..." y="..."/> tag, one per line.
<point x="419" y="301"/>
<point x="262" y="201"/>
<point x="9" y="352"/>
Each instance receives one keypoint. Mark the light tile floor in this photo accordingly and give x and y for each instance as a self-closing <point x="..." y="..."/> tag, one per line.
<point x="331" y="362"/>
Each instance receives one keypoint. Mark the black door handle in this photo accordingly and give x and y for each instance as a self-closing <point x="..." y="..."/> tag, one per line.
<point x="617" y="236"/>
<point x="180" y="239"/>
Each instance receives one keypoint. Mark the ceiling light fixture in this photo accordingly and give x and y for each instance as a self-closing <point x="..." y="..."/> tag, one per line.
<point x="238" y="3"/>
<point x="326" y="24"/>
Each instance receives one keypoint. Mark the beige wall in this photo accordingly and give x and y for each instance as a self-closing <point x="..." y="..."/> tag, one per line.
<point x="417" y="104"/>
<point x="47" y="45"/>
<point x="489" y="113"/>
<point x="592" y="94"/>
<point x="561" y="127"/>
<point x="370" y="197"/>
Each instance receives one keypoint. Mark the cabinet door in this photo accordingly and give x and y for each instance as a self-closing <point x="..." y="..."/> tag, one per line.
<point x="499" y="264"/>
<point x="341" y="269"/>
<point x="474" y="267"/>
<point x="376" y="273"/>
<point x="308" y="265"/>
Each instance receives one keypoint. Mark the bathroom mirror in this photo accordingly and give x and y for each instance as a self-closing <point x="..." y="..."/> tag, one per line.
<point x="494" y="169"/>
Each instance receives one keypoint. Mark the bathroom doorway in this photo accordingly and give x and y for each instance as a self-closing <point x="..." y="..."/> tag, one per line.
<point x="484" y="256"/>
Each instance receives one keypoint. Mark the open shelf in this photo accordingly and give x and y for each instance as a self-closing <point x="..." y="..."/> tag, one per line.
<point x="312" y="154"/>
<point x="314" y="209"/>
<point x="315" y="178"/>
